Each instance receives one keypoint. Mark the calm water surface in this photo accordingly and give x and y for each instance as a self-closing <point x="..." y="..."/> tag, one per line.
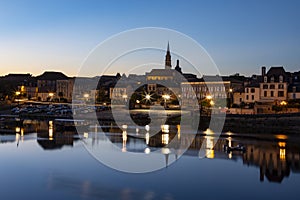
<point x="39" y="163"/>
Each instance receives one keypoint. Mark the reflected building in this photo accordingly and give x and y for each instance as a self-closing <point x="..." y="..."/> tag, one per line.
<point x="275" y="161"/>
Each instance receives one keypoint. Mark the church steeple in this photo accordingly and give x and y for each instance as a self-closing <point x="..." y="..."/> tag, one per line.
<point x="168" y="64"/>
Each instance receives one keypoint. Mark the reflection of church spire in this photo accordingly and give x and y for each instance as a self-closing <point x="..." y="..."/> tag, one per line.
<point x="168" y="64"/>
<point x="167" y="159"/>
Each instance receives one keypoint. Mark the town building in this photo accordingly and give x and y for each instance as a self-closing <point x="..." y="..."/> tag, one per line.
<point x="273" y="87"/>
<point x="294" y="87"/>
<point x="64" y="89"/>
<point x="47" y="85"/>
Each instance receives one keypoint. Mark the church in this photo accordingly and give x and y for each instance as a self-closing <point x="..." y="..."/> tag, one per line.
<point x="159" y="79"/>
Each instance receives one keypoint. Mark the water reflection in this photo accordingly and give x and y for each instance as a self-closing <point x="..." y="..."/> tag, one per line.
<point x="277" y="157"/>
<point x="47" y="133"/>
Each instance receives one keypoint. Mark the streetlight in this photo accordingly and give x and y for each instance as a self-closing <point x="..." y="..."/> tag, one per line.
<point x="166" y="97"/>
<point x="148" y="97"/>
<point x="125" y="97"/>
<point x="51" y="94"/>
<point x="86" y="96"/>
<point x="209" y="97"/>
<point x="283" y="103"/>
<point x="17" y="94"/>
<point x="230" y="97"/>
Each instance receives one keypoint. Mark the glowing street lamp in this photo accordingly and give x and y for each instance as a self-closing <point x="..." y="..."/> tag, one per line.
<point x="283" y="103"/>
<point x="51" y="94"/>
<point x="17" y="94"/>
<point x="212" y="103"/>
<point x="125" y="97"/>
<point x="86" y="96"/>
<point x="209" y="97"/>
<point x="148" y="97"/>
<point x="166" y="97"/>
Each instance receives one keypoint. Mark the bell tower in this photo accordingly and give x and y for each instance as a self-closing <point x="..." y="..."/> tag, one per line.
<point x="168" y="64"/>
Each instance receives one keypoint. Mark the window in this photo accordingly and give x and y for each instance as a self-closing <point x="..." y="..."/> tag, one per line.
<point x="247" y="90"/>
<point x="280" y="78"/>
<point x="280" y="86"/>
<point x="252" y="97"/>
<point x="252" y="90"/>
<point x="272" y="93"/>
<point x="265" y="86"/>
<point x="272" y="86"/>
<point x="272" y="79"/>
<point x="247" y="97"/>
<point x="280" y="94"/>
<point x="241" y="99"/>
<point x="265" y="79"/>
<point x="265" y="93"/>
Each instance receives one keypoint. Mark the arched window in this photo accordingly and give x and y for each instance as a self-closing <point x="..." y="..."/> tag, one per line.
<point x="272" y="79"/>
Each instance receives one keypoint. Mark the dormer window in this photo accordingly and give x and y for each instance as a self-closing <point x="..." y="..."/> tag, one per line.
<point x="280" y="78"/>
<point x="265" y="79"/>
<point x="272" y="79"/>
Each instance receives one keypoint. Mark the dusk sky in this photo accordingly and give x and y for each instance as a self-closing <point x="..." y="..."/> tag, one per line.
<point x="240" y="36"/>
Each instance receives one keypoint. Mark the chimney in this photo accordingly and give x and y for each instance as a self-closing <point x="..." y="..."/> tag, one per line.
<point x="263" y="71"/>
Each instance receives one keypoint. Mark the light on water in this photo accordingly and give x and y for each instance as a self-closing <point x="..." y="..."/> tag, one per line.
<point x="58" y="165"/>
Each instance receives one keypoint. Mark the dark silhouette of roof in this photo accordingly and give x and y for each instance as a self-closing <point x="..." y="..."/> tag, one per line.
<point x="52" y="76"/>
<point x="162" y="72"/>
<point x="276" y="72"/>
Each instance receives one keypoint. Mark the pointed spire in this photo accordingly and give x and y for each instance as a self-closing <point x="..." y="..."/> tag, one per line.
<point x="168" y="49"/>
<point x="168" y="64"/>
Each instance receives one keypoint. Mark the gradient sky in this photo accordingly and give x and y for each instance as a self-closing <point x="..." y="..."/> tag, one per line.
<point x="240" y="36"/>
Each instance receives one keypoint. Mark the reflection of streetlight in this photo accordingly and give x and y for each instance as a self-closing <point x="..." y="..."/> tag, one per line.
<point x="50" y="130"/>
<point x="165" y="138"/>
<point x="165" y="128"/>
<point x="124" y="138"/>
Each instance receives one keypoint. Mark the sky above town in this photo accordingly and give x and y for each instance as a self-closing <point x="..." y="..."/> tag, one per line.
<point x="240" y="36"/>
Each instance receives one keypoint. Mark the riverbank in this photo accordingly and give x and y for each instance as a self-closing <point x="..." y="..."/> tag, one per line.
<point x="261" y="123"/>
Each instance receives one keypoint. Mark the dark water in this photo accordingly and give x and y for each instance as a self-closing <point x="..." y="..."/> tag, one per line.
<point x="39" y="163"/>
